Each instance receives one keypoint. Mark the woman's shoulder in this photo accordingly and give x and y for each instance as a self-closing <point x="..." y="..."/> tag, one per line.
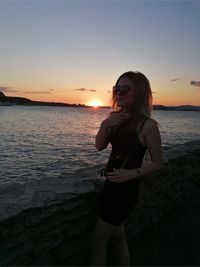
<point x="149" y="120"/>
<point x="150" y="124"/>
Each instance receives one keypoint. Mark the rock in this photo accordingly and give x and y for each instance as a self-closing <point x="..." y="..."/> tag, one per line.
<point x="49" y="222"/>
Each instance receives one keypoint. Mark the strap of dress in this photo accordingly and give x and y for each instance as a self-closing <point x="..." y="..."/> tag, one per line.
<point x="145" y="119"/>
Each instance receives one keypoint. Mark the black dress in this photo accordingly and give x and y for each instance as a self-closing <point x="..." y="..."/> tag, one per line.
<point x="117" y="200"/>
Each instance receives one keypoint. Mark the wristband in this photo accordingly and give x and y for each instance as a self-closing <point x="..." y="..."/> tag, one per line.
<point x="138" y="173"/>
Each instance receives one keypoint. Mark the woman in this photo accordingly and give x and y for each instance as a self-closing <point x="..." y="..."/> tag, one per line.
<point x="130" y="131"/>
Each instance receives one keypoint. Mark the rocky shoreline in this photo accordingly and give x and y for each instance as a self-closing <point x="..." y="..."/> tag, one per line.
<point x="49" y="222"/>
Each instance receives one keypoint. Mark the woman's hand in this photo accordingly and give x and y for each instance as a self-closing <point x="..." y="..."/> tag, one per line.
<point x="114" y="120"/>
<point x="120" y="175"/>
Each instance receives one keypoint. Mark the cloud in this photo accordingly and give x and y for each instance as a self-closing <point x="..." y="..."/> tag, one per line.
<point x="84" y="89"/>
<point x="38" y="92"/>
<point x="175" y="79"/>
<point x="195" y="83"/>
<point x="6" y="89"/>
<point x="111" y="92"/>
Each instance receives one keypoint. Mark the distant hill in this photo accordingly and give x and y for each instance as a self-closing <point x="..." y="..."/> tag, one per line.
<point x="160" y="107"/>
<point x="178" y="108"/>
<point x="186" y="107"/>
<point x="10" y="100"/>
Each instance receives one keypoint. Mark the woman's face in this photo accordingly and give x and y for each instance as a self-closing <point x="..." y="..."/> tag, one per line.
<point x="125" y="99"/>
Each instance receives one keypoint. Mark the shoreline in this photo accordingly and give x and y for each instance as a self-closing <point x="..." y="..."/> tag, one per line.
<point x="54" y="104"/>
<point x="39" y="193"/>
<point x="11" y="100"/>
<point x="44" y="223"/>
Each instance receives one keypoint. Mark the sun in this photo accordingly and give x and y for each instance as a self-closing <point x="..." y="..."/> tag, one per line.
<point x="95" y="103"/>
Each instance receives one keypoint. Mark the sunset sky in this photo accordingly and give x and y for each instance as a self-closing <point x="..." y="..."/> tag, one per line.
<point x="73" y="51"/>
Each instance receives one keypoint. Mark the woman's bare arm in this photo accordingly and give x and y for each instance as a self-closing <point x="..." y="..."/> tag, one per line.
<point x="152" y="140"/>
<point x="102" y="138"/>
<point x="113" y="121"/>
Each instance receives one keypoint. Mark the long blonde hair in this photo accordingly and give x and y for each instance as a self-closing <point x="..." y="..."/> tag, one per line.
<point x="143" y="95"/>
<point x="142" y="105"/>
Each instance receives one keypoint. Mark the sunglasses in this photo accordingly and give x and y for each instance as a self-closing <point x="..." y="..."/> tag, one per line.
<point x="121" y="90"/>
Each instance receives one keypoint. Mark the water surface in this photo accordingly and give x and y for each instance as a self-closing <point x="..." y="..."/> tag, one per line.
<point x="39" y="142"/>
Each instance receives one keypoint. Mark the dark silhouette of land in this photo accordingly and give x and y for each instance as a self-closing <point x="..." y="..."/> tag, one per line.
<point x="10" y="100"/>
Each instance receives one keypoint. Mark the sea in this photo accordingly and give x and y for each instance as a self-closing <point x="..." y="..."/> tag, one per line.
<point x="38" y="142"/>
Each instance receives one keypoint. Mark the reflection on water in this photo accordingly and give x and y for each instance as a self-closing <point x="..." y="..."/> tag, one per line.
<point x="38" y="142"/>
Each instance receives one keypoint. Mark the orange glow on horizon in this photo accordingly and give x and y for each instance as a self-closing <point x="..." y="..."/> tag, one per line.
<point x="165" y="98"/>
<point x="95" y="103"/>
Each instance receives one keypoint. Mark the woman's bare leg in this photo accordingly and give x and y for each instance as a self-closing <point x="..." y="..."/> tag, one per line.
<point x="101" y="236"/>
<point x="120" y="247"/>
